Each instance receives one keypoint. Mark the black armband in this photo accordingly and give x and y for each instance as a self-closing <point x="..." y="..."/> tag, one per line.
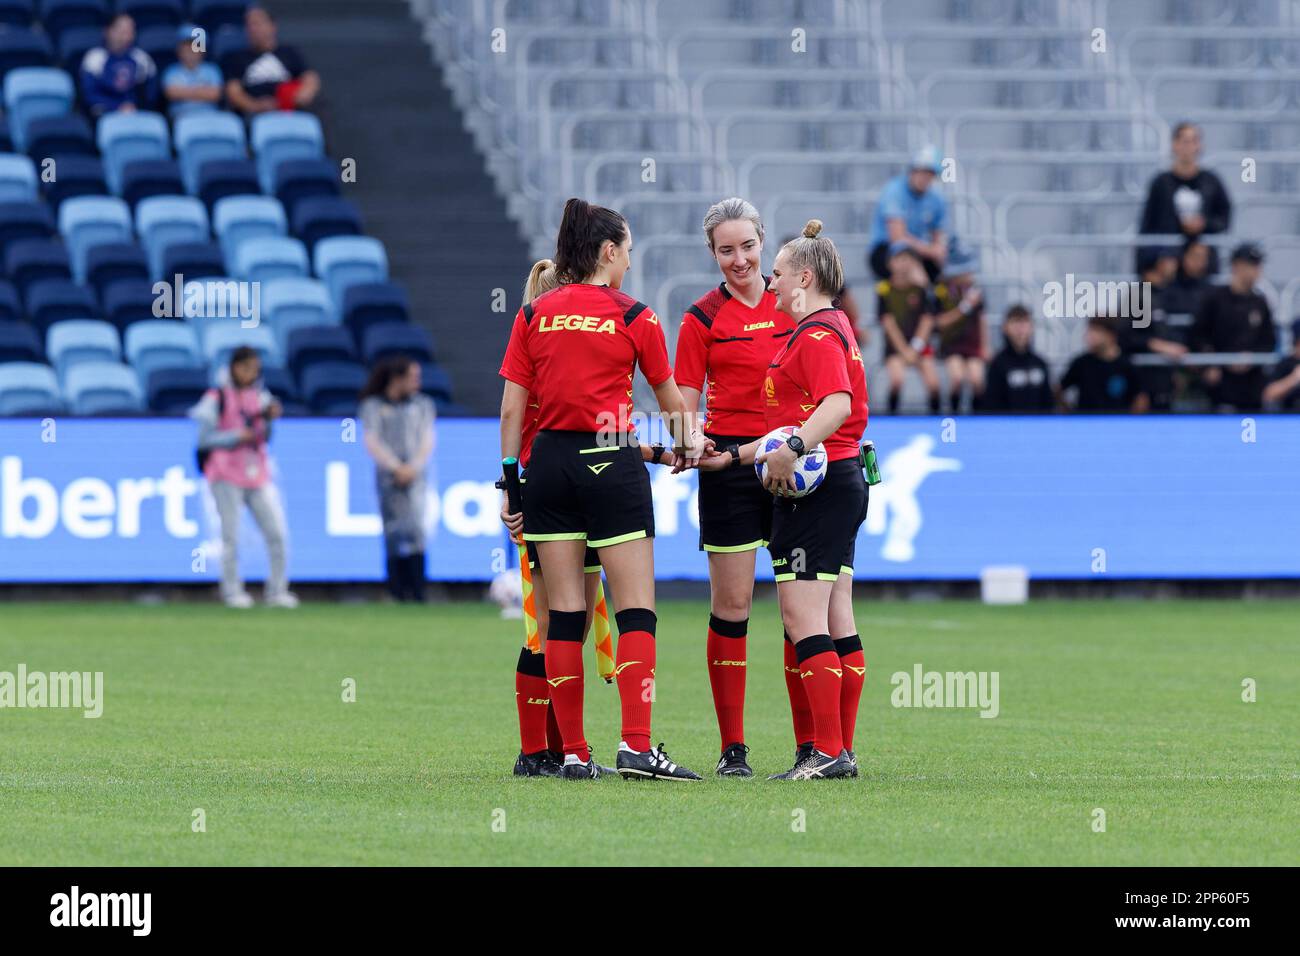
<point x="734" y="452"/>
<point x="657" y="453"/>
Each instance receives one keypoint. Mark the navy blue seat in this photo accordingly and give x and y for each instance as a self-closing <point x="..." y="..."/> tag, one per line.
<point x="280" y="383"/>
<point x="214" y="14"/>
<point x="76" y="176"/>
<point x="219" y="178"/>
<point x="174" y="391"/>
<point x="23" y="46"/>
<point x="194" y="260"/>
<point x="11" y="307"/>
<point x="127" y="300"/>
<point x="28" y="261"/>
<point x="17" y="13"/>
<point x="73" y="44"/>
<point x="160" y="43"/>
<point x="6" y="141"/>
<point x="372" y="303"/>
<point x="297" y="179"/>
<point x="151" y="177"/>
<point x="60" y="136"/>
<point x="331" y="388"/>
<point x="19" y="343"/>
<point x="53" y="300"/>
<point x="319" y="343"/>
<point x="319" y="217"/>
<point x="24" y="220"/>
<point x="113" y="261"/>
<point x="396" y="338"/>
<point x="60" y="15"/>
<point x="435" y="382"/>
<point x="152" y="13"/>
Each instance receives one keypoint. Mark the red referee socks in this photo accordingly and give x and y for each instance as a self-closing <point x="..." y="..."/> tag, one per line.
<point x="532" y="700"/>
<point x="855" y="675"/>
<point x="635" y="672"/>
<point x="799" y="710"/>
<point x="565" y="677"/>
<point x="726" y="658"/>
<point x="819" y="671"/>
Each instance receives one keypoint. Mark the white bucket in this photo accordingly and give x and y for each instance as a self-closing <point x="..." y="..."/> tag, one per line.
<point x="1004" y="584"/>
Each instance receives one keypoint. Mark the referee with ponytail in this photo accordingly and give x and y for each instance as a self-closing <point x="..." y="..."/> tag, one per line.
<point x="576" y="349"/>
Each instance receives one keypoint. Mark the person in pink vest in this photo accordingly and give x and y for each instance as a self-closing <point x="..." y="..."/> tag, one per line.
<point x="234" y="426"/>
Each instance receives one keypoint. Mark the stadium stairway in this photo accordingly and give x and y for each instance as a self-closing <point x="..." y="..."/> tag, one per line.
<point x="422" y="186"/>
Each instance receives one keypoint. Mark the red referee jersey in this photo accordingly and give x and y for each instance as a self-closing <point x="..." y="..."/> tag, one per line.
<point x="576" y="349"/>
<point x="532" y="413"/>
<point x="817" y="362"/>
<point x="729" y="345"/>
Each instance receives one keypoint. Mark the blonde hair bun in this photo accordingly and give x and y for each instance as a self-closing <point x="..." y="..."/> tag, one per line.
<point x="813" y="229"/>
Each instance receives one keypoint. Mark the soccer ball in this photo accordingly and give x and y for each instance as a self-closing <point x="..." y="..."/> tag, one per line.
<point x="507" y="592"/>
<point x="809" y="471"/>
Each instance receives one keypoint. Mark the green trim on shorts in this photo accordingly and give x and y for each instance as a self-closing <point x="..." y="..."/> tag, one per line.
<point x="562" y="536"/>
<point x="736" y="548"/>
<point x="784" y="577"/>
<point x="827" y="577"/>
<point x="599" y="449"/>
<point x="845" y="569"/>
<point x="594" y="569"/>
<point x="617" y="539"/>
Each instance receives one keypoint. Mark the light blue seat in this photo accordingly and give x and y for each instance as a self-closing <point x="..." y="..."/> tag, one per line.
<point x="126" y="137"/>
<point x="89" y="221"/>
<point x="205" y="136"/>
<point x="163" y="221"/>
<point x="17" y="178"/>
<point x="103" y="388"/>
<point x="281" y="136"/>
<point x="222" y="338"/>
<point x="270" y="257"/>
<point x="27" y="387"/>
<point x="344" y="261"/>
<point x="161" y="343"/>
<point x="289" y="304"/>
<point x="236" y="218"/>
<point x="70" y="342"/>
<point x="33" y="92"/>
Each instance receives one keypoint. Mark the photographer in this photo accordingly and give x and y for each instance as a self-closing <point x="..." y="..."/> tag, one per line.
<point x="234" y="427"/>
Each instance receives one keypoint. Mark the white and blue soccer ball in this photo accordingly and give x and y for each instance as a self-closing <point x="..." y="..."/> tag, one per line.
<point x="809" y="471"/>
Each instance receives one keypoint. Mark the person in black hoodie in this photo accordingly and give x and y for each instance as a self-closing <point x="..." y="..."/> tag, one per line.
<point x="1017" y="381"/>
<point x="1186" y="199"/>
<point x="1183" y="295"/>
<point x="1236" y="318"/>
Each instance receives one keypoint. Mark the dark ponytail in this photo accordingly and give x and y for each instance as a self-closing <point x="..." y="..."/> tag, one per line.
<point x="382" y="375"/>
<point x="583" y="230"/>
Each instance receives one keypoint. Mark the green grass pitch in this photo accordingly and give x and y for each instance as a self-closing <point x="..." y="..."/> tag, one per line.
<point x="1133" y="708"/>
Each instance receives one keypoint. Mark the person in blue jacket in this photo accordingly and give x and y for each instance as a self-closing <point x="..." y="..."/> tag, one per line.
<point x="118" y="75"/>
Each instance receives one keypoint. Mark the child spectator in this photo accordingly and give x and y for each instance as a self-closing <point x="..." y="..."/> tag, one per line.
<point x="268" y="75"/>
<point x="1183" y="295"/>
<point x="1149" y="334"/>
<point x="118" y="75"/>
<point x="1236" y="318"/>
<point x="1017" y="377"/>
<point x="905" y="309"/>
<point x="1284" y="388"/>
<point x="960" y="320"/>
<point x="1102" y="378"/>
<point x="192" y="84"/>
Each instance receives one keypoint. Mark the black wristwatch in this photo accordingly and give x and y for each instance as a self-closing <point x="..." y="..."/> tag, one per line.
<point x="734" y="452"/>
<point x="657" y="453"/>
<point x="796" y="445"/>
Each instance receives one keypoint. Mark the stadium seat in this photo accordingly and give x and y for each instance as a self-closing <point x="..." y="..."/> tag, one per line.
<point x="174" y="391"/>
<point x="214" y="14"/>
<point x="193" y="260"/>
<point x="273" y="257"/>
<point x="435" y="382"/>
<point x="19" y="343"/>
<point x="54" y="300"/>
<point x="150" y="13"/>
<point x="279" y="136"/>
<point x="75" y="42"/>
<point x="103" y="388"/>
<point x="72" y="341"/>
<point x="22" y="46"/>
<point x="318" y="343"/>
<point x="89" y="221"/>
<point x="17" y="178"/>
<point x="127" y="301"/>
<point x="236" y="218"/>
<point x="34" y="92"/>
<point x="228" y="39"/>
<point x="124" y="138"/>
<point x="161" y="221"/>
<point x="24" y="220"/>
<point x="60" y="15"/>
<point x="59" y="136"/>
<point x="115" y="260"/>
<point x="222" y="338"/>
<point x="370" y="303"/>
<point x="17" y="13"/>
<point x="320" y="217"/>
<point x="280" y="383"/>
<point x="344" y="261"/>
<point x="11" y="307"/>
<point x="160" y="43"/>
<point x="217" y="300"/>
<point x="294" y="303"/>
<point x="207" y="136"/>
<point x="161" y="343"/>
<point x="30" y="260"/>
<point x="151" y="177"/>
<point x="29" y="388"/>
<point x="331" y="388"/>
<point x="75" y="176"/>
<point x="219" y="178"/>
<point x="396" y="338"/>
<point x="299" y="179"/>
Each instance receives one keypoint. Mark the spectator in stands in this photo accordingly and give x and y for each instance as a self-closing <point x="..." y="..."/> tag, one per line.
<point x="1017" y="380"/>
<point x="398" y="422"/>
<point x="191" y="84"/>
<point x="905" y="309"/>
<point x="268" y="75"/>
<point x="1284" y="389"/>
<point x="1186" y="199"/>
<point x="234" y="428"/>
<point x="1183" y="295"/>
<point x="118" y="75"/>
<point x="912" y="211"/>
<point x="1149" y="334"/>
<point x="1102" y="379"/>
<point x="963" y="341"/>
<point x="1236" y="318"/>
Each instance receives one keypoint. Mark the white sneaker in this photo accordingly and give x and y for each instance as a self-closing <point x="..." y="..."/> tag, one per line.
<point x="243" y="600"/>
<point x="285" y="599"/>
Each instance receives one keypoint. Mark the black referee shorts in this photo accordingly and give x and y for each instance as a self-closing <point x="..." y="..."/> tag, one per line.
<point x="590" y="560"/>
<point x="580" y="490"/>
<point x="735" y="508"/>
<point x="813" y="537"/>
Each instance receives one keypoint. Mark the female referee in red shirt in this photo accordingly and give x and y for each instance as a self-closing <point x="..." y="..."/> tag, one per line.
<point x="817" y="383"/>
<point x="727" y="338"/>
<point x="576" y="349"/>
